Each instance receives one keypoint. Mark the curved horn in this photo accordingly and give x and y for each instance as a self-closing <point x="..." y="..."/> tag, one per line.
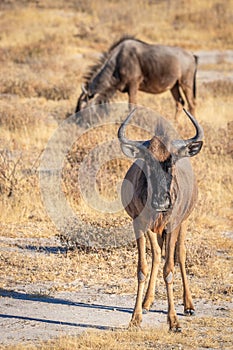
<point x="189" y="147"/>
<point x="131" y="149"/>
<point x="121" y="132"/>
<point x="199" y="131"/>
<point x="84" y="90"/>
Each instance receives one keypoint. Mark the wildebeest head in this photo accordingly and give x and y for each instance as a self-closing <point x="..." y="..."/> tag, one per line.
<point x="160" y="155"/>
<point x="84" y="98"/>
<point x="90" y="98"/>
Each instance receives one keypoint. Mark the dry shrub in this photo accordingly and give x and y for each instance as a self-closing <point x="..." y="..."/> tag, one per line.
<point x="47" y="47"/>
<point x="80" y="150"/>
<point x="199" y="256"/>
<point x="8" y="173"/>
<point x="19" y="189"/>
<point x="16" y="116"/>
<point x="51" y="45"/>
<point x="108" y="177"/>
<point x="19" y="87"/>
<point x="56" y="91"/>
<point x="216" y="14"/>
<point x="217" y="140"/>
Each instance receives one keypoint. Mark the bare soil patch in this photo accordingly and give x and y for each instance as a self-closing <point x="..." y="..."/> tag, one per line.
<point x="27" y="317"/>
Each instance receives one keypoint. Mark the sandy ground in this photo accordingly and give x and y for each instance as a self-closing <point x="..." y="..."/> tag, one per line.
<point x="30" y="314"/>
<point x="25" y="317"/>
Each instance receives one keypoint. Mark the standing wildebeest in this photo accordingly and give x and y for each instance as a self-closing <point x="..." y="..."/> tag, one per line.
<point x="158" y="193"/>
<point x="131" y="65"/>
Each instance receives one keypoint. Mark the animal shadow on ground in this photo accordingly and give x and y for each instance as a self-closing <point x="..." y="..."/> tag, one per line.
<point x="60" y="301"/>
<point x="44" y="249"/>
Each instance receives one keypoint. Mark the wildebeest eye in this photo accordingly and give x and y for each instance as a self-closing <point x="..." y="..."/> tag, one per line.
<point x="169" y="170"/>
<point x="167" y="165"/>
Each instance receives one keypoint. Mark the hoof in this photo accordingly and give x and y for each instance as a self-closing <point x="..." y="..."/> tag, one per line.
<point x="178" y="330"/>
<point x="175" y="329"/>
<point x="134" y="325"/>
<point x="135" y="322"/>
<point x="145" y="311"/>
<point x="189" y="312"/>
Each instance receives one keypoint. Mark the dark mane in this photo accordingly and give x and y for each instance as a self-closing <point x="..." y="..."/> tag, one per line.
<point x="95" y="67"/>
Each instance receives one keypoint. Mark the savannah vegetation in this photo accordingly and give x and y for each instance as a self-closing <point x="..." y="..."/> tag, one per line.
<point x="45" y="48"/>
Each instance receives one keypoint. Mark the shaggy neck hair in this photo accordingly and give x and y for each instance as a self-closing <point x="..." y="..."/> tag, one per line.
<point x="159" y="149"/>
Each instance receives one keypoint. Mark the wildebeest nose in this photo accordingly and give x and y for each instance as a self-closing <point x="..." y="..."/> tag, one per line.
<point x="167" y="200"/>
<point x="163" y="204"/>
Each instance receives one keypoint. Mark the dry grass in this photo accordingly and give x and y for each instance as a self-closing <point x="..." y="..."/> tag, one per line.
<point x="44" y="51"/>
<point x="198" y="335"/>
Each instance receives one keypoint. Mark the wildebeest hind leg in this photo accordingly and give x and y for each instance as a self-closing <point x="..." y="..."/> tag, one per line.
<point x="178" y="98"/>
<point x="188" y="303"/>
<point x="132" y="93"/>
<point x="188" y="91"/>
<point x="168" y="273"/>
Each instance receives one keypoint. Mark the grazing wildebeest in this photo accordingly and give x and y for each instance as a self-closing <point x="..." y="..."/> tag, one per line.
<point x="158" y="193"/>
<point x="131" y="65"/>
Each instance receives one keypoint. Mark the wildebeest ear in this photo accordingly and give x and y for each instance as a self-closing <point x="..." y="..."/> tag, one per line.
<point x="191" y="149"/>
<point x="130" y="151"/>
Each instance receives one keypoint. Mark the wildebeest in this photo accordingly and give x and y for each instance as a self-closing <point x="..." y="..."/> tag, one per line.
<point x="159" y="192"/>
<point x="131" y="65"/>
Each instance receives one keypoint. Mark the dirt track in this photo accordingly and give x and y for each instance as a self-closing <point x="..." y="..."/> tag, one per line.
<point x="28" y="314"/>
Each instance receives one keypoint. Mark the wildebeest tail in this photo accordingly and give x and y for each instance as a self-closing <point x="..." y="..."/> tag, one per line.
<point x="194" y="77"/>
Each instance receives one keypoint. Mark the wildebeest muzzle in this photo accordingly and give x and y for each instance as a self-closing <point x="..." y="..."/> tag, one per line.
<point x="162" y="202"/>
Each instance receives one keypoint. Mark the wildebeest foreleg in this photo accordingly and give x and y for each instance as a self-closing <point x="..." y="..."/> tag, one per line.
<point x="156" y="242"/>
<point x="142" y="274"/>
<point x="188" y="303"/>
<point x="168" y="274"/>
